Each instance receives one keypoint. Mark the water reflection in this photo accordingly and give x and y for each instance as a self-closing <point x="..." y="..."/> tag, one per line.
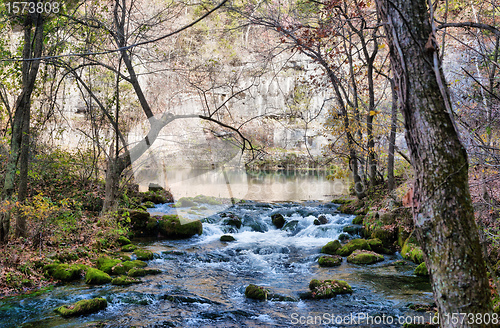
<point x="283" y="185"/>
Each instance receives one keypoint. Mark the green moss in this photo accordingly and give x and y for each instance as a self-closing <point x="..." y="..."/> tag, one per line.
<point x="129" y="248"/>
<point x="124" y="267"/>
<point x="96" y="277"/>
<point x="278" y="220"/>
<point x="351" y="246"/>
<point x="387" y="236"/>
<point x="412" y="252"/>
<point x="185" y="202"/>
<point x="123" y="240"/>
<point x="331" y="247"/>
<point x="144" y="254"/>
<point x="124" y="280"/>
<point x="342" y="201"/>
<point x="364" y="257"/>
<point x="82" y="307"/>
<point x="328" y="288"/>
<point x="421" y="270"/>
<point x="256" y="292"/>
<point x="106" y="264"/>
<point x="66" y="272"/>
<point x="149" y="204"/>
<point x="330" y="261"/>
<point x="171" y="226"/>
<point x="207" y="200"/>
<point x="49" y="269"/>
<point x="358" y="219"/>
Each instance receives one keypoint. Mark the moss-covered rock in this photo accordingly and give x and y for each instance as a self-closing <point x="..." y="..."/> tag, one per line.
<point x="343" y="201"/>
<point x="330" y="261"/>
<point x="124" y="281"/>
<point x="377" y="246"/>
<point x="256" y="292"/>
<point x="328" y="288"/>
<point x="358" y="219"/>
<point x="353" y="245"/>
<point x="139" y="221"/>
<point x="185" y="202"/>
<point x="278" y="220"/>
<point x="96" y="277"/>
<point x="343" y="237"/>
<point x="149" y="204"/>
<point x="159" y="196"/>
<point x="129" y="248"/>
<point x="66" y="272"/>
<point x="227" y="238"/>
<point x="403" y="234"/>
<point x="387" y="234"/>
<point x="202" y="199"/>
<point x="364" y="257"/>
<point x="331" y="247"/>
<point x="106" y="264"/>
<point x="412" y="252"/>
<point x="144" y="254"/>
<point x="171" y="226"/>
<point x="124" y="267"/>
<point x="421" y="270"/>
<point x="139" y="272"/>
<point x="122" y="240"/>
<point x="82" y="307"/>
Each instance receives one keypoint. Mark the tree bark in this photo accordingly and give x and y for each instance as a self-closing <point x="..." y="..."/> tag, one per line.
<point x="392" y="137"/>
<point x="32" y="48"/>
<point x="444" y="223"/>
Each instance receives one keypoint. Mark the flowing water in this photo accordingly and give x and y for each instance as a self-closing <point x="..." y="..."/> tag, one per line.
<point x="203" y="280"/>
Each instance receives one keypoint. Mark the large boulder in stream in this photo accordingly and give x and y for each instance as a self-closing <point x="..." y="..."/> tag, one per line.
<point x="82" y="307"/>
<point x="144" y="254"/>
<point x="353" y="245"/>
<point x="364" y="257"/>
<point x="256" y="292"/>
<point x="328" y="288"/>
<point x="278" y="220"/>
<point x="96" y="277"/>
<point x="331" y="247"/>
<point x="175" y="227"/>
<point x="330" y="260"/>
<point x="106" y="264"/>
<point x="322" y="219"/>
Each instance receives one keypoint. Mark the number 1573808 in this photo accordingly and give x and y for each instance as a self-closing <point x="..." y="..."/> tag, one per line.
<point x="31" y="7"/>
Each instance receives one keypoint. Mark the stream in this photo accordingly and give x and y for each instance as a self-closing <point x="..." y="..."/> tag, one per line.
<point x="203" y="280"/>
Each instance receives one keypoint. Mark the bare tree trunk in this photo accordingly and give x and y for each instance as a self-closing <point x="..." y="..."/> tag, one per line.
<point x="392" y="137"/>
<point x="444" y="223"/>
<point x="20" y="125"/>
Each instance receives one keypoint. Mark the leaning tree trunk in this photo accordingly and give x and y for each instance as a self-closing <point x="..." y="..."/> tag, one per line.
<point x="444" y="221"/>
